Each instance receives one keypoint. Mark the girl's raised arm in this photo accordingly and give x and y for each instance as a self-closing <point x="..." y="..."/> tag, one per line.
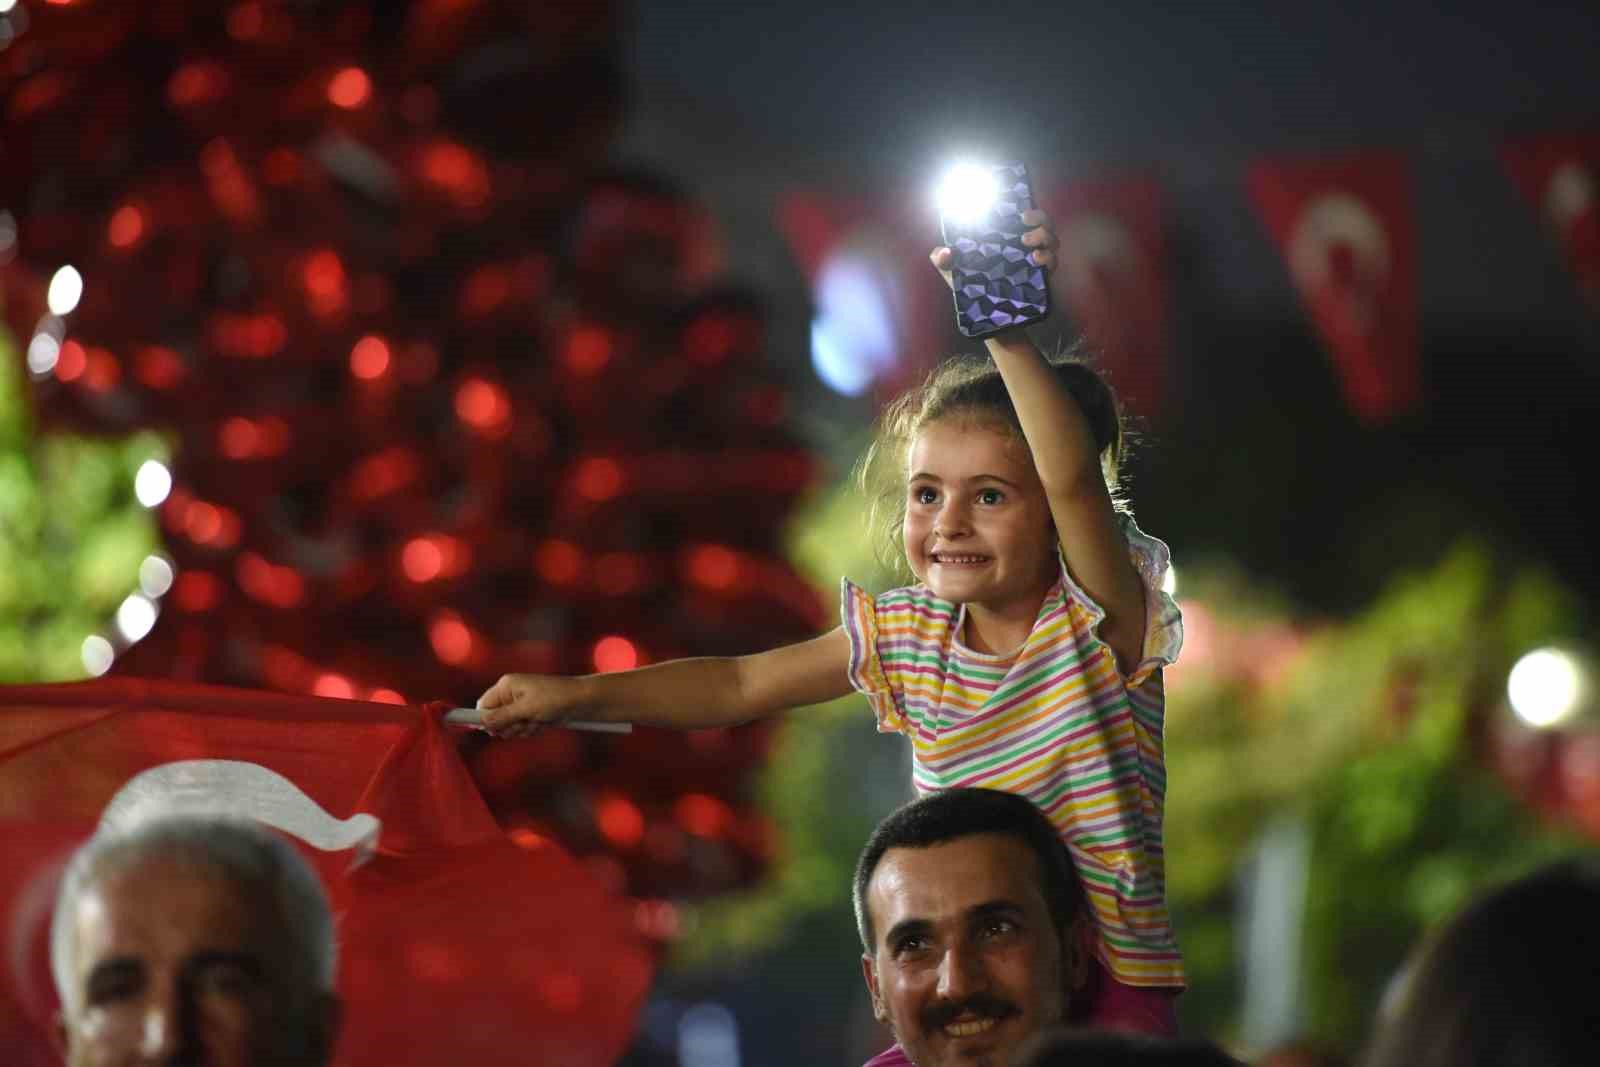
<point x="1068" y="463"/>
<point x="686" y="694"/>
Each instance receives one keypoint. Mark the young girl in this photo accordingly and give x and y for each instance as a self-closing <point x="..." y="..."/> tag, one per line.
<point x="1026" y="657"/>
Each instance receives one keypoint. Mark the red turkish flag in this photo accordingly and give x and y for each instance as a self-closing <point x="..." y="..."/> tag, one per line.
<point x="1347" y="230"/>
<point x="456" y="944"/>
<point x="1112" y="272"/>
<point x="1560" y="177"/>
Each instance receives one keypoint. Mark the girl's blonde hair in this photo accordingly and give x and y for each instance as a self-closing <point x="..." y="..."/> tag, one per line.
<point x="970" y="387"/>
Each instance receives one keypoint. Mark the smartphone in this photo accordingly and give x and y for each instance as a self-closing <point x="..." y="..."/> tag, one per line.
<point x="996" y="284"/>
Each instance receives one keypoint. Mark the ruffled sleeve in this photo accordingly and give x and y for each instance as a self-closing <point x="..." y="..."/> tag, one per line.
<point x="1163" y="633"/>
<point x="858" y="613"/>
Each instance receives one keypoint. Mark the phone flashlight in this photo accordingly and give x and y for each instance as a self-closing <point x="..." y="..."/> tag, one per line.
<point x="967" y="192"/>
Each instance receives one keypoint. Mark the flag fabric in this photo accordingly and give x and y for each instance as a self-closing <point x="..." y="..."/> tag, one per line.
<point x="1112" y="272"/>
<point x="1559" y="176"/>
<point x="1346" y="228"/>
<point x="459" y="943"/>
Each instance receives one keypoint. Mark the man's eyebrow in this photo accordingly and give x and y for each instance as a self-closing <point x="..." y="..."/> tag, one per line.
<point x="111" y="970"/>
<point x="990" y="909"/>
<point x="248" y="962"/>
<point x="906" y="928"/>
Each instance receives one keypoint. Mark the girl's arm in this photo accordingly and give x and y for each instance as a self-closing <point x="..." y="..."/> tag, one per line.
<point x="684" y="694"/>
<point x="1064" y="454"/>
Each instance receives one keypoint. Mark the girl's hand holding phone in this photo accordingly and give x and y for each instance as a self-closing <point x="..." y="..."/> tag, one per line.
<point x="1040" y="237"/>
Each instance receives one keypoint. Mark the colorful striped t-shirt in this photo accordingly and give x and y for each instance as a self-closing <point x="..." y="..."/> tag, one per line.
<point x="1054" y="721"/>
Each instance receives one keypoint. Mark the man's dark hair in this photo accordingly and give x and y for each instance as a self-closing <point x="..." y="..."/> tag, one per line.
<point x="956" y="813"/>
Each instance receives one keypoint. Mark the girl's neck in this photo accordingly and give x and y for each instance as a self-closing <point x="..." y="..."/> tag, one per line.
<point x="996" y="631"/>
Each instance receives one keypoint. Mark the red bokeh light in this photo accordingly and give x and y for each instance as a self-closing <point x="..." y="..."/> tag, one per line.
<point x="703" y="815"/>
<point x="457" y="172"/>
<point x="713" y="567"/>
<point x="159" y="367"/>
<point x="272" y="584"/>
<point x="588" y="350"/>
<point x="72" y="361"/>
<point x="126" y="227"/>
<point x="327" y="287"/>
<point x="710" y="340"/>
<point x="196" y="592"/>
<point x="619" y="820"/>
<point x="434" y="556"/>
<point x="527" y="839"/>
<point x="451" y="638"/>
<point x="383" y="473"/>
<point x="615" y="653"/>
<point x="484" y="291"/>
<point x="370" y="358"/>
<point x="248" y="336"/>
<point x="350" y="88"/>
<point x="242" y="438"/>
<point x="209" y="524"/>
<point x="103" y="372"/>
<point x="386" y="696"/>
<point x="598" y="479"/>
<point x="334" y="685"/>
<point x="483" y="405"/>
<point x="194" y="84"/>
<point x="558" y="562"/>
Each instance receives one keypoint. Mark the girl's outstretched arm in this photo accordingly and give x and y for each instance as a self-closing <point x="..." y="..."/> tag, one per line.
<point x="686" y="694"/>
<point x="1068" y="463"/>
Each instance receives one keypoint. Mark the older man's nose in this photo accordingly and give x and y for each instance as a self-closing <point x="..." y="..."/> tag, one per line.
<point x="169" y="1037"/>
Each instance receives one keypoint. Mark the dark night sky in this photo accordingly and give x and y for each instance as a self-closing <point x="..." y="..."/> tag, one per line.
<point x="880" y="83"/>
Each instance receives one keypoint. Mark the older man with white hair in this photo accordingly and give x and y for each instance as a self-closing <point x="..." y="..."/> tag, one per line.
<point x="193" y="940"/>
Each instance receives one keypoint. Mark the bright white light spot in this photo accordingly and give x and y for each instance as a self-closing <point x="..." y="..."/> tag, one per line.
<point x="7" y="5"/>
<point x="152" y="483"/>
<point x="43" y="351"/>
<point x="1169" y="581"/>
<point x="853" y="337"/>
<point x="97" y="655"/>
<point x="136" y="617"/>
<point x="155" y="576"/>
<point x="1545" y="687"/>
<point x="837" y="370"/>
<point x="66" y="289"/>
<point x="708" y="1036"/>
<point x="967" y="192"/>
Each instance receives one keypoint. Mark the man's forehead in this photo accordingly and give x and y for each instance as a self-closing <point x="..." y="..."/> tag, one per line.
<point x="944" y="880"/>
<point x="169" y="904"/>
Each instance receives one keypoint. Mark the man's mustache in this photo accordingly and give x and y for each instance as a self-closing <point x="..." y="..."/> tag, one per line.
<point x="979" y="1006"/>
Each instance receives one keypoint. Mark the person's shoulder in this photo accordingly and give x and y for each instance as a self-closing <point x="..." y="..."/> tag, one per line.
<point x="893" y="1056"/>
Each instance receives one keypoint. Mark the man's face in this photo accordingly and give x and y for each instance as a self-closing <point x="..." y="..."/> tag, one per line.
<point x="967" y="962"/>
<point x="176" y="963"/>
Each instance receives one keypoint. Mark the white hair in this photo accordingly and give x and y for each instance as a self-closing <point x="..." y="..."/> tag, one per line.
<point x="242" y="851"/>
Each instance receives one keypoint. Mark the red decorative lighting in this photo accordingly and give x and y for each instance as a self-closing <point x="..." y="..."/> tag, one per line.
<point x="334" y="685"/>
<point x="350" y="88"/>
<point x="713" y="567"/>
<point x="196" y="592"/>
<point x="703" y="815"/>
<point x="615" y="653"/>
<point x="126" y="227"/>
<point x="558" y="562"/>
<point x="451" y="638"/>
<point x="159" y="367"/>
<point x="370" y="358"/>
<point x="71" y="362"/>
<point x="270" y="583"/>
<point x="619" y="819"/>
<point x="327" y="287"/>
<point x="483" y="405"/>
<point x="588" y="350"/>
<point x="598" y="479"/>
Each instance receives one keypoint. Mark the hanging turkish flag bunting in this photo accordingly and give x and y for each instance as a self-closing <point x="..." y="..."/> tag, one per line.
<point x="1112" y="273"/>
<point x="459" y="942"/>
<point x="1560" y="177"/>
<point x="1346" y="228"/>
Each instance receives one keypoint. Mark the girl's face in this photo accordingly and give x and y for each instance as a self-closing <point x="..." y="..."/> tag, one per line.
<point x="977" y="527"/>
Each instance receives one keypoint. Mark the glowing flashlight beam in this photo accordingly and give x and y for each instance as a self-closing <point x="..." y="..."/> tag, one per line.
<point x="967" y="192"/>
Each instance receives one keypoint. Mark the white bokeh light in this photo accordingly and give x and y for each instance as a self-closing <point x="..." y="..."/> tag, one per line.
<point x="43" y="351"/>
<point x="1169" y="581"/>
<point x="136" y="617"/>
<point x="967" y="192"/>
<point x="155" y="576"/>
<point x="97" y="655"/>
<point x="66" y="289"/>
<point x="152" y="483"/>
<point x="1545" y="687"/>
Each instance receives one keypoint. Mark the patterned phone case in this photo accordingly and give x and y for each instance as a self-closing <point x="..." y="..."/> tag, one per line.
<point x="996" y="284"/>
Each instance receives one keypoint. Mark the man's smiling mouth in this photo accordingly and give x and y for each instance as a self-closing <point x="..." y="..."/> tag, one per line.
<point x="970" y="1027"/>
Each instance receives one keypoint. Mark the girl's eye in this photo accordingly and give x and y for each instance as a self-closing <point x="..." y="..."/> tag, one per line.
<point x="990" y="496"/>
<point x="924" y="494"/>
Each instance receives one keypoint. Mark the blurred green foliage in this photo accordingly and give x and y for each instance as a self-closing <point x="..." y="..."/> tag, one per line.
<point x="72" y="534"/>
